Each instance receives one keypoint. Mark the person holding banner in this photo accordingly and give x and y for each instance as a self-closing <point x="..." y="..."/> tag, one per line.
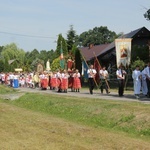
<point x="91" y="77"/>
<point x="121" y="79"/>
<point x="103" y="76"/>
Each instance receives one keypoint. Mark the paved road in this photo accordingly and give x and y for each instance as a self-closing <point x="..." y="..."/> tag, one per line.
<point x="85" y="93"/>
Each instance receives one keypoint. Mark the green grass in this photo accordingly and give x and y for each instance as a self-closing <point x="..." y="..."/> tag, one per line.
<point x="5" y="89"/>
<point x="129" y="117"/>
<point x="46" y="121"/>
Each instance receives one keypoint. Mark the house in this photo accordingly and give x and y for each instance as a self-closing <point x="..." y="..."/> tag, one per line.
<point x="106" y="53"/>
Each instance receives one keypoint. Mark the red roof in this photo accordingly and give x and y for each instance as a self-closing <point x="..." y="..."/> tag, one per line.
<point x="89" y="53"/>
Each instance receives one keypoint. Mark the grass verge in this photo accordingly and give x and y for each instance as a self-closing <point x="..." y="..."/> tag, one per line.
<point x="5" y="89"/>
<point x="62" y="122"/>
<point x="129" y="117"/>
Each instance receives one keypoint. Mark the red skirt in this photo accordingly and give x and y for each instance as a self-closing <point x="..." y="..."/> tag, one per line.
<point x="76" y="83"/>
<point x="55" y="82"/>
<point x="44" y="83"/>
<point x="64" y="84"/>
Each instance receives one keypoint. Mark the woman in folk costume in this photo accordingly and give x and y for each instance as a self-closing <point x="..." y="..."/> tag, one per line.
<point x="64" y="81"/>
<point x="137" y="76"/>
<point x="49" y="79"/>
<point x="44" y="80"/>
<point x="76" y="81"/>
<point x="53" y="81"/>
<point x="70" y="79"/>
<point x="58" y="75"/>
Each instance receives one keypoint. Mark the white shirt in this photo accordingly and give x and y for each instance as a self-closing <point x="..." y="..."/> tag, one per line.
<point x="119" y="73"/>
<point x="103" y="74"/>
<point x="91" y="72"/>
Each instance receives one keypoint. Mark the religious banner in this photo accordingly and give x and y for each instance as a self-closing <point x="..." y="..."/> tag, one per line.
<point x="62" y="60"/>
<point x="40" y="68"/>
<point x="84" y="69"/>
<point x="123" y="51"/>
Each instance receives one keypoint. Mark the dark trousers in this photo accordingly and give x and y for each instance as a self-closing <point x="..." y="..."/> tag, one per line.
<point x="91" y="85"/>
<point x="120" y="87"/>
<point x="148" y="87"/>
<point x="11" y="82"/>
<point x="103" y="86"/>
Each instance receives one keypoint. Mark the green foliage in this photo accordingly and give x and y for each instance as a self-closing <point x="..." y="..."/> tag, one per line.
<point x="96" y="36"/>
<point x="55" y="64"/>
<point x="30" y="56"/>
<point x="147" y="15"/>
<point x="61" y="44"/>
<point x="71" y="38"/>
<point x="12" y="52"/>
<point x="139" y="63"/>
<point x="35" y="63"/>
<point x="6" y="90"/>
<point x="120" y="116"/>
<point x="140" y="52"/>
<point x="78" y="60"/>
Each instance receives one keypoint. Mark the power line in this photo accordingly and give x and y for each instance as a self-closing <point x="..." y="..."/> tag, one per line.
<point x="25" y="35"/>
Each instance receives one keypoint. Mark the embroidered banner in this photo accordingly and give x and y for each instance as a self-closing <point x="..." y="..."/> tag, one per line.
<point x="123" y="51"/>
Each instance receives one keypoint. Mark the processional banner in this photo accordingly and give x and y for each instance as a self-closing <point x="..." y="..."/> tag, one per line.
<point x="123" y="51"/>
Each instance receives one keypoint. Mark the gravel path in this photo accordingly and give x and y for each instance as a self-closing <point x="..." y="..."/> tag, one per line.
<point x="85" y="93"/>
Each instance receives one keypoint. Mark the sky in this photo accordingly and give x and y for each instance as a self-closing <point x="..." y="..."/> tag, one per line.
<point x="36" y="24"/>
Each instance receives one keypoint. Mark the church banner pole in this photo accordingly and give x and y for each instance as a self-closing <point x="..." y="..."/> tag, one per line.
<point x="88" y="67"/>
<point x="101" y="67"/>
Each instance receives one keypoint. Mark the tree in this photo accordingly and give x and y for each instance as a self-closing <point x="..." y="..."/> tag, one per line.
<point x="61" y="44"/>
<point x="78" y="61"/>
<point x="35" y="63"/>
<point x="96" y="36"/>
<point x="147" y="15"/>
<point x="71" y="38"/>
<point x="30" y="56"/>
<point x="140" y="52"/>
<point x="55" y="64"/>
<point x="13" y="53"/>
<point x="138" y="62"/>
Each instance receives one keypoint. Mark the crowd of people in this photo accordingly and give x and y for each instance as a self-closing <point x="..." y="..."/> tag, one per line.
<point x="62" y="80"/>
<point x="57" y="80"/>
<point x="141" y="80"/>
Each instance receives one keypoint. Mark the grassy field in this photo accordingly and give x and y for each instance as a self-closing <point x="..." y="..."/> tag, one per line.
<point x="43" y="121"/>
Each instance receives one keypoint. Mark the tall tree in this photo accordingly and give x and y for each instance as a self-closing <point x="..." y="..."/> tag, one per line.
<point x="71" y="38"/>
<point x="78" y="60"/>
<point x="61" y="44"/>
<point x="96" y="36"/>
